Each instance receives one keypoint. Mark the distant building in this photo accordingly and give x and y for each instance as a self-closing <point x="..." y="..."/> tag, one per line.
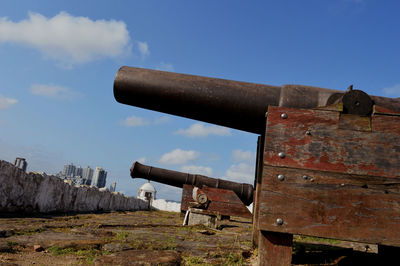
<point x="69" y="170"/>
<point x="87" y="174"/>
<point x="99" y="179"/>
<point x="147" y="192"/>
<point x="113" y="186"/>
<point x="21" y="163"/>
<point x="78" y="171"/>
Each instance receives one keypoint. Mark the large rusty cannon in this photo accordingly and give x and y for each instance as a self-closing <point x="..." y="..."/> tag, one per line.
<point x="328" y="161"/>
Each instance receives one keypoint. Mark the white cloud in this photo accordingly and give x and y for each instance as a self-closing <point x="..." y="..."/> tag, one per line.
<point x="142" y="160"/>
<point x="162" y="120"/>
<point x="195" y="169"/>
<point x="53" y="91"/>
<point x="68" y="39"/>
<point x="241" y="172"/>
<point x="393" y="91"/>
<point x="6" y="102"/>
<point x="200" y="130"/>
<point x="134" y="121"/>
<point x="143" y="49"/>
<point x="239" y="155"/>
<point x="179" y="156"/>
<point x="165" y="67"/>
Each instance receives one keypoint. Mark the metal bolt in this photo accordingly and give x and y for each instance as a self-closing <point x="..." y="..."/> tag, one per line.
<point x="281" y="177"/>
<point x="279" y="221"/>
<point x="282" y="154"/>
<point x="305" y="177"/>
<point x="308" y="132"/>
<point x="284" y="116"/>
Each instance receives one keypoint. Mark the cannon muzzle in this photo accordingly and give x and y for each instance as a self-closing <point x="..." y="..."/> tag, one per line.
<point x="234" y="104"/>
<point x="178" y="179"/>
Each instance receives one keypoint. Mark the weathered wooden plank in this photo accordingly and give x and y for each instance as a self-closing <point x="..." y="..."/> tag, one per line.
<point x="225" y="202"/>
<point x="186" y="197"/>
<point x="333" y="205"/>
<point x="222" y="201"/>
<point x="257" y="183"/>
<point x="274" y="249"/>
<point x="314" y="139"/>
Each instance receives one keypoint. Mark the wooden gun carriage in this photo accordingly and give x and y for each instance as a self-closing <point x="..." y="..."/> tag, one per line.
<point x="328" y="161"/>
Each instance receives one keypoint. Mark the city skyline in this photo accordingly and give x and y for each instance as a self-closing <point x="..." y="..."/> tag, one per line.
<point x="84" y="176"/>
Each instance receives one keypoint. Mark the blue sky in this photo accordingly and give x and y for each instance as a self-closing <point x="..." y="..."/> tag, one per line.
<point x="58" y="60"/>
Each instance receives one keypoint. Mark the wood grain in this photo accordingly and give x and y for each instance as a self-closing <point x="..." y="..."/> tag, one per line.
<point x="331" y="147"/>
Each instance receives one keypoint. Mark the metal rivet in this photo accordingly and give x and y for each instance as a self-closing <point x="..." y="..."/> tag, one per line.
<point x="308" y="132"/>
<point x="284" y="116"/>
<point x="282" y="154"/>
<point x="281" y="177"/>
<point x="305" y="177"/>
<point x="279" y="221"/>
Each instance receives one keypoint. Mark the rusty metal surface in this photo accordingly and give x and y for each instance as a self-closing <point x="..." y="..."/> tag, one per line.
<point x="234" y="104"/>
<point x="337" y="181"/>
<point x="239" y="105"/>
<point x="178" y="179"/>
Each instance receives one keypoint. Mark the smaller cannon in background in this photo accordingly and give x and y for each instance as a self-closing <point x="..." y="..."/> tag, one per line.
<point x="223" y="197"/>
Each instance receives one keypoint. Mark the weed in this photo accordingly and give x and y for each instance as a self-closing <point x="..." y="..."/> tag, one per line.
<point x="86" y="255"/>
<point x="317" y="239"/>
<point x="61" y="251"/>
<point x="122" y="236"/>
<point x="30" y="232"/>
<point x="12" y="243"/>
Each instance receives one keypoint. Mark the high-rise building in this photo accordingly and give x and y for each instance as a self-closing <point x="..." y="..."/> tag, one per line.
<point x="113" y="186"/>
<point x="78" y="171"/>
<point x="21" y="163"/>
<point x="99" y="179"/>
<point x="87" y="174"/>
<point x="69" y="170"/>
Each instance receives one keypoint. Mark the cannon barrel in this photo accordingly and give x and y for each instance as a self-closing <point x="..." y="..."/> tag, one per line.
<point x="234" y="104"/>
<point x="178" y="179"/>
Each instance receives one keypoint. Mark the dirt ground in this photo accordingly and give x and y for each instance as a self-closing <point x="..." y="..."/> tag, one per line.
<point x="152" y="238"/>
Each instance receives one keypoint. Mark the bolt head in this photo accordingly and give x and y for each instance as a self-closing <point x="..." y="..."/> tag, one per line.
<point x="282" y="154"/>
<point x="305" y="177"/>
<point x="281" y="177"/>
<point x="284" y="115"/>
<point x="279" y="221"/>
<point x="308" y="132"/>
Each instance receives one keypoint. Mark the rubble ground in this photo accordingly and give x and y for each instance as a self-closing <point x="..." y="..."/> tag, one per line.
<point x="149" y="238"/>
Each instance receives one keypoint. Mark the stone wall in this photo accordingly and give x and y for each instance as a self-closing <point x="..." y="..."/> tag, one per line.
<point x="30" y="192"/>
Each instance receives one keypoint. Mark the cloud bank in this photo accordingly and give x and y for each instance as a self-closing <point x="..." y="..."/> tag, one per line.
<point x="201" y="130"/>
<point x="393" y="91"/>
<point x="239" y="155"/>
<point x="53" y="91"/>
<point x="6" y="103"/>
<point x="136" y="121"/>
<point x="241" y="172"/>
<point x="68" y="39"/>
<point x="196" y="169"/>
<point x="179" y="156"/>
